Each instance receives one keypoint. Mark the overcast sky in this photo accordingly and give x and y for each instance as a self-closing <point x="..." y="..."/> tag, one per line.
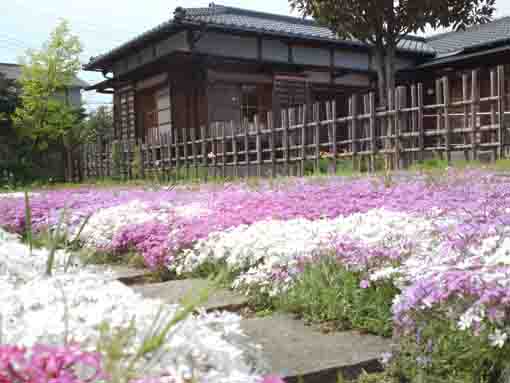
<point x="104" y="24"/>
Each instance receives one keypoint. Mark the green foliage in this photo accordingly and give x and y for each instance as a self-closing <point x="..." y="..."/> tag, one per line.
<point x="384" y="23"/>
<point x="43" y="116"/>
<point x="9" y="99"/>
<point x="443" y="353"/>
<point x="99" y="124"/>
<point x="327" y="292"/>
<point x="343" y="167"/>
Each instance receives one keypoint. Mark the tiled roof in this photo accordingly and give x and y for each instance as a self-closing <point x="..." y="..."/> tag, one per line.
<point x="477" y="36"/>
<point x="237" y="19"/>
<point x="13" y="72"/>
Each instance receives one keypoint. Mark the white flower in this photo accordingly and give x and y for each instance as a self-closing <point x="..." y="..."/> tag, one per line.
<point x="498" y="338"/>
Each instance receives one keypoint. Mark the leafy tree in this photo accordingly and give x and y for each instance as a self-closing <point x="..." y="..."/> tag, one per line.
<point x="383" y="23"/>
<point x="45" y="116"/>
<point x="99" y="124"/>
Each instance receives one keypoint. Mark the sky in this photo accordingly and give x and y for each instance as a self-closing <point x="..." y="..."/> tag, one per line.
<point x="105" y="24"/>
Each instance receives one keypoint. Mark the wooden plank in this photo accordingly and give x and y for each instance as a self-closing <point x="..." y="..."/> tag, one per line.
<point x="205" y="153"/>
<point x="285" y="139"/>
<point x="475" y="100"/>
<point x="465" y="111"/>
<point x="270" y="121"/>
<point x="223" y="151"/>
<point x="493" y="105"/>
<point x="421" y="137"/>
<point x="246" y="148"/>
<point x="316" y="141"/>
<point x="447" y="125"/>
<point x="258" y="146"/>
<point x="501" y="111"/>
<point x="373" y="141"/>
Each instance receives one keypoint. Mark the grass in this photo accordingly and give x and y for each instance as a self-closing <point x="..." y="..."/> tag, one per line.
<point x="327" y="292"/>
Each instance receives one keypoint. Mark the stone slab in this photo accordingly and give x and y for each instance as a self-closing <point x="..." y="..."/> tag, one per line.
<point x="122" y="273"/>
<point x="296" y="350"/>
<point x="175" y="291"/>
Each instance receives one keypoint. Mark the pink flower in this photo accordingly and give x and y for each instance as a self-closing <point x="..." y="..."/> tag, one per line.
<point x="272" y="379"/>
<point x="364" y="284"/>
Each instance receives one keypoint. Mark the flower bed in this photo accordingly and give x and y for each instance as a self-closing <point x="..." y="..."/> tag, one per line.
<point x="444" y="243"/>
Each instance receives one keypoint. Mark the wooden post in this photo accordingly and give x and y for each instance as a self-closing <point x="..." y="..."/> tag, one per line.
<point x="397" y="127"/>
<point x="501" y="111"/>
<point x="270" y="122"/>
<point x="373" y="142"/>
<point x="447" y="125"/>
<point x="223" y="151"/>
<point x="204" y="151"/>
<point x="304" y="127"/>
<point x="258" y="146"/>
<point x="194" y="150"/>
<point x="331" y="116"/>
<point x="421" y="133"/>
<point x="285" y="139"/>
<point x="465" y="113"/>
<point x="177" y="155"/>
<point x="246" y="148"/>
<point x="353" y="131"/>
<point x="493" y="134"/>
<point x="185" y="152"/>
<point x="214" y="150"/>
<point x="475" y="100"/>
<point x="142" y="159"/>
<point x="235" y="170"/>
<point x="316" y="139"/>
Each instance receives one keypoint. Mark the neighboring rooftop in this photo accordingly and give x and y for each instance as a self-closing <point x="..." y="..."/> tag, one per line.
<point x="478" y="36"/>
<point x="13" y="72"/>
<point x="243" y="20"/>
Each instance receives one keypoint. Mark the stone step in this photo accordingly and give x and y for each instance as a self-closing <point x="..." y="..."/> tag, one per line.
<point x="175" y="291"/>
<point x="298" y="351"/>
<point x="294" y="351"/>
<point x="125" y="274"/>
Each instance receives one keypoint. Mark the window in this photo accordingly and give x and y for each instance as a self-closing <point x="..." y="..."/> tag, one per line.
<point x="164" y="110"/>
<point x="249" y="103"/>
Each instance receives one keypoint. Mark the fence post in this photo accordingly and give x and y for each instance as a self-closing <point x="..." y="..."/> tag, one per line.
<point x="316" y="140"/>
<point x="465" y="116"/>
<point x="421" y="132"/>
<point x="447" y="126"/>
<point x="270" y="123"/>
<point x="258" y="145"/>
<point x="397" y="120"/>
<point x="204" y="151"/>
<point x="501" y="111"/>
<point x="373" y="142"/>
<point x="142" y="159"/>
<point x="246" y="147"/>
<point x="194" y="150"/>
<point x="285" y="124"/>
<point x="475" y="100"/>
<point x="304" y="126"/>
<point x="494" y="135"/>
<point x="353" y="106"/>
<point x="177" y="155"/>
<point x="235" y="171"/>
<point x="223" y="151"/>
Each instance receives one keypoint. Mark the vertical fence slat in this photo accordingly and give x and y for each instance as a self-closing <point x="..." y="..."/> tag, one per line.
<point x="258" y="145"/>
<point x="285" y="141"/>
<point x="493" y="134"/>
<point x="353" y="128"/>
<point x="316" y="140"/>
<point x="421" y="132"/>
<point x="465" y="112"/>
<point x="447" y="125"/>
<point x="475" y="100"/>
<point x="246" y="148"/>
<point x="501" y="111"/>
<point x="235" y="170"/>
<point x="372" y="122"/>
<point x="304" y="127"/>
<point x="270" y="123"/>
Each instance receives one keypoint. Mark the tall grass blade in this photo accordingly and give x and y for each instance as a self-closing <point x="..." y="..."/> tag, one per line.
<point x="54" y="242"/>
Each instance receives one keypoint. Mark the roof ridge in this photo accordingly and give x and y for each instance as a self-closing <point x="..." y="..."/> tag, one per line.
<point x="220" y="8"/>
<point x="225" y="9"/>
<point x="467" y="30"/>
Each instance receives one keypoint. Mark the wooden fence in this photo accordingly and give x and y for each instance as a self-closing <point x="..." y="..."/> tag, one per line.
<point x="405" y="131"/>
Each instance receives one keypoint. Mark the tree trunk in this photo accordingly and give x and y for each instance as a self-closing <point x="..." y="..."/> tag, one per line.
<point x="381" y="74"/>
<point x="390" y="66"/>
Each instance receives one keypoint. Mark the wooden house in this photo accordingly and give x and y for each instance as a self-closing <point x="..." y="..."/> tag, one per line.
<point x="223" y="64"/>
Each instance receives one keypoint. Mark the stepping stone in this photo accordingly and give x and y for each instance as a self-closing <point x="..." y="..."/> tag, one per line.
<point x="295" y="350"/>
<point x="122" y="273"/>
<point x="175" y="291"/>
